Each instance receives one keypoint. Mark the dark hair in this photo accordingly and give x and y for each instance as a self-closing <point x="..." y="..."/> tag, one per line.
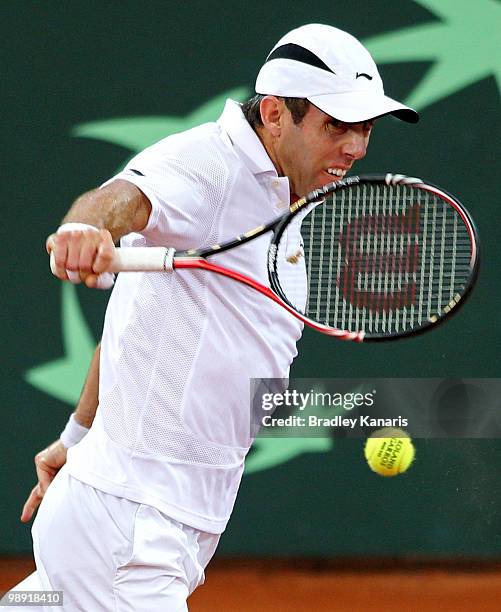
<point x="298" y="108"/>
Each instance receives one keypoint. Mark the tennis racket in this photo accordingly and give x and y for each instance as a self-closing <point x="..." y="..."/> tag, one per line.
<point x="378" y="257"/>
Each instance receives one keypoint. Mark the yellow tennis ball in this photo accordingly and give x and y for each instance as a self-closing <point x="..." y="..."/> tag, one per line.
<point x="389" y="451"/>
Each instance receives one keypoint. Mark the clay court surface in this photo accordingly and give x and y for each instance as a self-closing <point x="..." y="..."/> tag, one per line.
<point x="258" y="586"/>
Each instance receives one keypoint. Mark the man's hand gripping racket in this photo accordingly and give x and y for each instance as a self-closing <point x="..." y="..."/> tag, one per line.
<point x="379" y="258"/>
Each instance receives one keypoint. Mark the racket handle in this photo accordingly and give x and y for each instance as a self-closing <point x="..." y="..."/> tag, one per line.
<point x="143" y="259"/>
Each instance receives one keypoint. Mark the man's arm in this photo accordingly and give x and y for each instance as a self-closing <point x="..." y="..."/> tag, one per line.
<point x="49" y="461"/>
<point x="115" y="210"/>
<point x="87" y="404"/>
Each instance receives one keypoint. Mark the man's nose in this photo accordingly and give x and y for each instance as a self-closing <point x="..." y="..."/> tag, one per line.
<point x="355" y="146"/>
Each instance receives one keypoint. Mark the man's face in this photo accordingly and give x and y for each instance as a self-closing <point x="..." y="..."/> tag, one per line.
<point x="319" y="150"/>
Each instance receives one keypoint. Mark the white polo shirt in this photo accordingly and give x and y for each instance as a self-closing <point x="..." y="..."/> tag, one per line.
<point x="178" y="349"/>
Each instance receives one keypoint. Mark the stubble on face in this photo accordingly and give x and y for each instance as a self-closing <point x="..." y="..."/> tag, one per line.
<point x="304" y="152"/>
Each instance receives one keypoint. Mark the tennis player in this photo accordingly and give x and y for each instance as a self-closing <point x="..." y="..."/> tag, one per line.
<point x="145" y="475"/>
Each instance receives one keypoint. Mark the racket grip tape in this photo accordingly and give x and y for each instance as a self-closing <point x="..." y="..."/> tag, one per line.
<point x="143" y="259"/>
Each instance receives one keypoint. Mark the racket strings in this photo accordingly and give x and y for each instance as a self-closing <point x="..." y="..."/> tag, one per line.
<point x="375" y="258"/>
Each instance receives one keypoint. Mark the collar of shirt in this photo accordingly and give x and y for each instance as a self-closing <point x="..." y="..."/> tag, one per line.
<point x="252" y="153"/>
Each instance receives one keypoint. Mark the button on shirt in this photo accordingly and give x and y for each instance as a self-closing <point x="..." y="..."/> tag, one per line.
<point x="179" y="349"/>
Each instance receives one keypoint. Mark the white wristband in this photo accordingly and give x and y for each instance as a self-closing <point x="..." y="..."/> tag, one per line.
<point x="104" y="280"/>
<point x="72" y="433"/>
<point x="75" y="227"/>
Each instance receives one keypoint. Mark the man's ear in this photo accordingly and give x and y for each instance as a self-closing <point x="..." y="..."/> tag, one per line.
<point x="272" y="111"/>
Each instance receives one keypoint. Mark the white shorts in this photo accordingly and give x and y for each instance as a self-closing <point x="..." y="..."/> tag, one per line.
<point x="108" y="553"/>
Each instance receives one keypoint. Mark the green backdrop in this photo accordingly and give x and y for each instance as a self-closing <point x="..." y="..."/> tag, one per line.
<point x="85" y="84"/>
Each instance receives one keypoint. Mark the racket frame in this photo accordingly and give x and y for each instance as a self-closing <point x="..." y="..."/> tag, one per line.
<point x="387" y="179"/>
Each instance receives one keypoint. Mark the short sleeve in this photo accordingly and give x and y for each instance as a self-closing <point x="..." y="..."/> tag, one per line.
<point x="185" y="179"/>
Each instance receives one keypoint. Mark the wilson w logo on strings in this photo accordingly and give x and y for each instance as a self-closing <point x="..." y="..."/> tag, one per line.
<point x="380" y="260"/>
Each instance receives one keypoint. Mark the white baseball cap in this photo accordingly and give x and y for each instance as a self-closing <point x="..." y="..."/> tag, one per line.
<point x="333" y="70"/>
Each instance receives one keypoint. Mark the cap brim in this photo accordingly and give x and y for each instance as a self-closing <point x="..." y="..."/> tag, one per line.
<point x="354" y="107"/>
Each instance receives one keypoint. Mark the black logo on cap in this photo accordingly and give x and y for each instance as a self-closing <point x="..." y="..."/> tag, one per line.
<point x="360" y="74"/>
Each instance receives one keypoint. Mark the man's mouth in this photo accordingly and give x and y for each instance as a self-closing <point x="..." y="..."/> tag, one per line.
<point x="339" y="172"/>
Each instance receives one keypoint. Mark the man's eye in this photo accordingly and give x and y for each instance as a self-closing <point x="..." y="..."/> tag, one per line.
<point x="342" y="125"/>
<point x="337" y="124"/>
